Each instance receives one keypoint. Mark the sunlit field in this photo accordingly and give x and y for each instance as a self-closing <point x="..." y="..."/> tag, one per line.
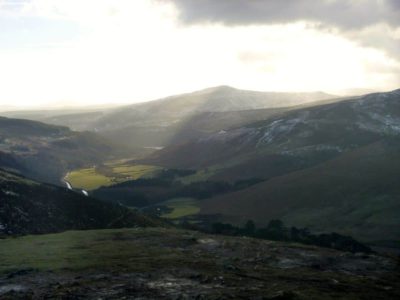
<point x="108" y="174"/>
<point x="182" y="207"/>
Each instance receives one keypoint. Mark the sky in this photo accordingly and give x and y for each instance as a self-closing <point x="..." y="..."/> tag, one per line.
<point x="86" y="52"/>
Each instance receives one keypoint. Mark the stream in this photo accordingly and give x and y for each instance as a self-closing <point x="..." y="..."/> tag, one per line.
<point x="69" y="186"/>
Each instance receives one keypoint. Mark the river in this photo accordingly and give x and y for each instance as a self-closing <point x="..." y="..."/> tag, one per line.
<point x="69" y="186"/>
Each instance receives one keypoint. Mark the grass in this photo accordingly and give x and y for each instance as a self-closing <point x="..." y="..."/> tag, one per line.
<point x="112" y="173"/>
<point x="88" y="179"/>
<point x="181" y="207"/>
<point x="135" y="171"/>
<point x="78" y="250"/>
<point x="201" y="175"/>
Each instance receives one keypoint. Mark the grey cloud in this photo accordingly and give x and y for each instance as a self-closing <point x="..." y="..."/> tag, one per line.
<point x="353" y="18"/>
<point x="379" y="37"/>
<point x="339" y="13"/>
<point x="394" y="4"/>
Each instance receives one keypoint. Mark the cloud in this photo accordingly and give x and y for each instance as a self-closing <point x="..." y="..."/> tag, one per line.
<point x="370" y="23"/>
<point x="99" y="51"/>
<point x="379" y="36"/>
<point x="339" y="13"/>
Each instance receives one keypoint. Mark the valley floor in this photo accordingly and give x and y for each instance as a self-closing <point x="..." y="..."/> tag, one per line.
<point x="157" y="263"/>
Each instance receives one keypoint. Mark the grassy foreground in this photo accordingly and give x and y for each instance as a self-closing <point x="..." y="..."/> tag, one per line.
<point x="158" y="263"/>
<point x="77" y="250"/>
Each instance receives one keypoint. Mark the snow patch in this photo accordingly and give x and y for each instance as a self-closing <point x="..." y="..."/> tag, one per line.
<point x="4" y="289"/>
<point x="281" y="127"/>
<point x="229" y="135"/>
<point x="11" y="193"/>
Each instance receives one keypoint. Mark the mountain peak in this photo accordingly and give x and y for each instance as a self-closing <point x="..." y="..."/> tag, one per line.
<point x="219" y="88"/>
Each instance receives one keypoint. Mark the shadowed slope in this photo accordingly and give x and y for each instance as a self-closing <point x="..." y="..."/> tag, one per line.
<point x="27" y="206"/>
<point x="356" y="194"/>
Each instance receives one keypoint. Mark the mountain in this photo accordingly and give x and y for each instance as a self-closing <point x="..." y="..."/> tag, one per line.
<point x="329" y="167"/>
<point x="162" y="122"/>
<point x="156" y="123"/>
<point x="301" y="134"/>
<point x="217" y="99"/>
<point x="29" y="207"/>
<point x="45" y="152"/>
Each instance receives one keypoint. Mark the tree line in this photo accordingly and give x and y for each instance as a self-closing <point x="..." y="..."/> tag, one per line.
<point x="277" y="231"/>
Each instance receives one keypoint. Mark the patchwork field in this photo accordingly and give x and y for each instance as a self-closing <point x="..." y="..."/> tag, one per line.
<point x="108" y="174"/>
<point x="200" y="175"/>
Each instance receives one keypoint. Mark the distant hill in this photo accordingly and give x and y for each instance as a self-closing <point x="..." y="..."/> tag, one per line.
<point x="77" y="119"/>
<point x="45" y="152"/>
<point x="29" y="207"/>
<point x="156" y="123"/>
<point x="217" y="99"/>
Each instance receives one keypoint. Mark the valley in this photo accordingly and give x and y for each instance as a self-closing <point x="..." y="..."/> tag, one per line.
<point x="258" y="163"/>
<point x="183" y="199"/>
<point x="109" y="173"/>
<point x="200" y="150"/>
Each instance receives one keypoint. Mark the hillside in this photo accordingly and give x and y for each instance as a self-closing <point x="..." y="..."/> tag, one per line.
<point x="29" y="207"/>
<point x="355" y="194"/>
<point x="306" y="134"/>
<point x="330" y="167"/>
<point x="45" y="152"/>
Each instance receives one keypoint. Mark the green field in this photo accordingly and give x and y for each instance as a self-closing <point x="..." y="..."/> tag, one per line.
<point x="201" y="175"/>
<point x="88" y="179"/>
<point x="108" y="174"/>
<point x="77" y="250"/>
<point x="134" y="171"/>
<point x="181" y="207"/>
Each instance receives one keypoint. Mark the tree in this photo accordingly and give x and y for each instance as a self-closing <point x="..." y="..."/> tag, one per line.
<point x="249" y="227"/>
<point x="276" y="230"/>
<point x="275" y="225"/>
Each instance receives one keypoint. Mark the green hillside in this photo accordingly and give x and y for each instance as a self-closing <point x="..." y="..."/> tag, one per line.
<point x="356" y="194"/>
